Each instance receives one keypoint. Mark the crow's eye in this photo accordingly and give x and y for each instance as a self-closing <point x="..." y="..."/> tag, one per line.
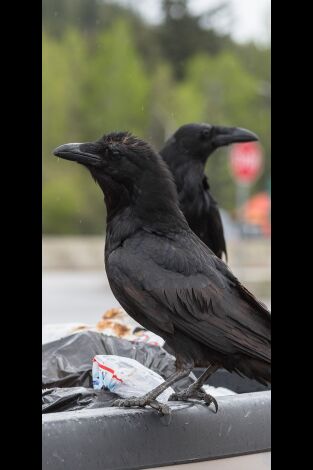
<point x="106" y="153"/>
<point x="205" y="133"/>
<point x="115" y="155"/>
<point x="112" y="153"/>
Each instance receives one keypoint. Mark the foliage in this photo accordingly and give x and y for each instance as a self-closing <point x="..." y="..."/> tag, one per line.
<point x="105" y="69"/>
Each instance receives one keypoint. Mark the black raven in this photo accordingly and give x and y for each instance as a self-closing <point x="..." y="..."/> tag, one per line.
<point x="164" y="276"/>
<point x="186" y="153"/>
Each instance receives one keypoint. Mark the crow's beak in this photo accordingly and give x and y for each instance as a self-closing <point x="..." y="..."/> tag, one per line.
<point x="232" y="135"/>
<point x="80" y="153"/>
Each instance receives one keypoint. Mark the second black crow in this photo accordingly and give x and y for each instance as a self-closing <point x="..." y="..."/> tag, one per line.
<point x="186" y="153"/>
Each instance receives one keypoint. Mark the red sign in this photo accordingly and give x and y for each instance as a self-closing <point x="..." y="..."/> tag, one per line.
<point x="246" y="161"/>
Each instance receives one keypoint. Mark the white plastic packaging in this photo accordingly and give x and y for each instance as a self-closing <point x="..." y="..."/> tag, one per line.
<point x="126" y="377"/>
<point x="147" y="337"/>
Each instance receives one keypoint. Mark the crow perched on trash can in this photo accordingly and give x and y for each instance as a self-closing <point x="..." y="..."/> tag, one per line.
<point x="186" y="153"/>
<point x="165" y="277"/>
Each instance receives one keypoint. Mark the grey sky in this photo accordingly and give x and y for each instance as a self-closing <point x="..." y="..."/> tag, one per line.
<point x="249" y="19"/>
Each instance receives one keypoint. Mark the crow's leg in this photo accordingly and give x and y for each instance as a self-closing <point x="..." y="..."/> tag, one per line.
<point x="150" y="397"/>
<point x="195" y="390"/>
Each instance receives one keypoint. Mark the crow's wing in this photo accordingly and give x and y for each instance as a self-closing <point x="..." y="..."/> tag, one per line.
<point x="203" y="215"/>
<point x="176" y="283"/>
<point x="214" y="231"/>
<point x="212" y="222"/>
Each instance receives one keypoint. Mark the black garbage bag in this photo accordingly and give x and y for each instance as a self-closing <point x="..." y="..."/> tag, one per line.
<point x="67" y="362"/>
<point x="75" y="398"/>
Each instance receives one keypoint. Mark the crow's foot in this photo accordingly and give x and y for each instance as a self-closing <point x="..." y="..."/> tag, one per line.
<point x="186" y="395"/>
<point x="142" y="402"/>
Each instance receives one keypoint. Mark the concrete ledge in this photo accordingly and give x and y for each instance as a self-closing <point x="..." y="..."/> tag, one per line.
<point x="118" y="439"/>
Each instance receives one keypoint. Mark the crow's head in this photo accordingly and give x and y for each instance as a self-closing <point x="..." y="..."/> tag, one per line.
<point x="124" y="167"/>
<point x="200" y="140"/>
<point x="118" y="156"/>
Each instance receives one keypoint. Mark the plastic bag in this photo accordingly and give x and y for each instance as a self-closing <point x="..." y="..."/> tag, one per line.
<point x="75" y="398"/>
<point x="67" y="362"/>
<point x="126" y="377"/>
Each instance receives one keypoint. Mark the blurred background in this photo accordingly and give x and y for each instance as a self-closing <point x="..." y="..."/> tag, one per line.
<point x="149" y="67"/>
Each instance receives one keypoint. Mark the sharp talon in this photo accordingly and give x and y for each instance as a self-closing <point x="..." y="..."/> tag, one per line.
<point x="209" y="399"/>
<point x="165" y="410"/>
<point x="154" y="405"/>
<point x="215" y="404"/>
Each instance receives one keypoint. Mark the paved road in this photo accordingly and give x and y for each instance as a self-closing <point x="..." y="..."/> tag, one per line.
<point x="81" y="296"/>
<point x="75" y="296"/>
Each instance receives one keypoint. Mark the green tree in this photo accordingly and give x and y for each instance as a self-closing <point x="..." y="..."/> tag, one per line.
<point x="117" y="89"/>
<point x="63" y="79"/>
<point x="89" y="87"/>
